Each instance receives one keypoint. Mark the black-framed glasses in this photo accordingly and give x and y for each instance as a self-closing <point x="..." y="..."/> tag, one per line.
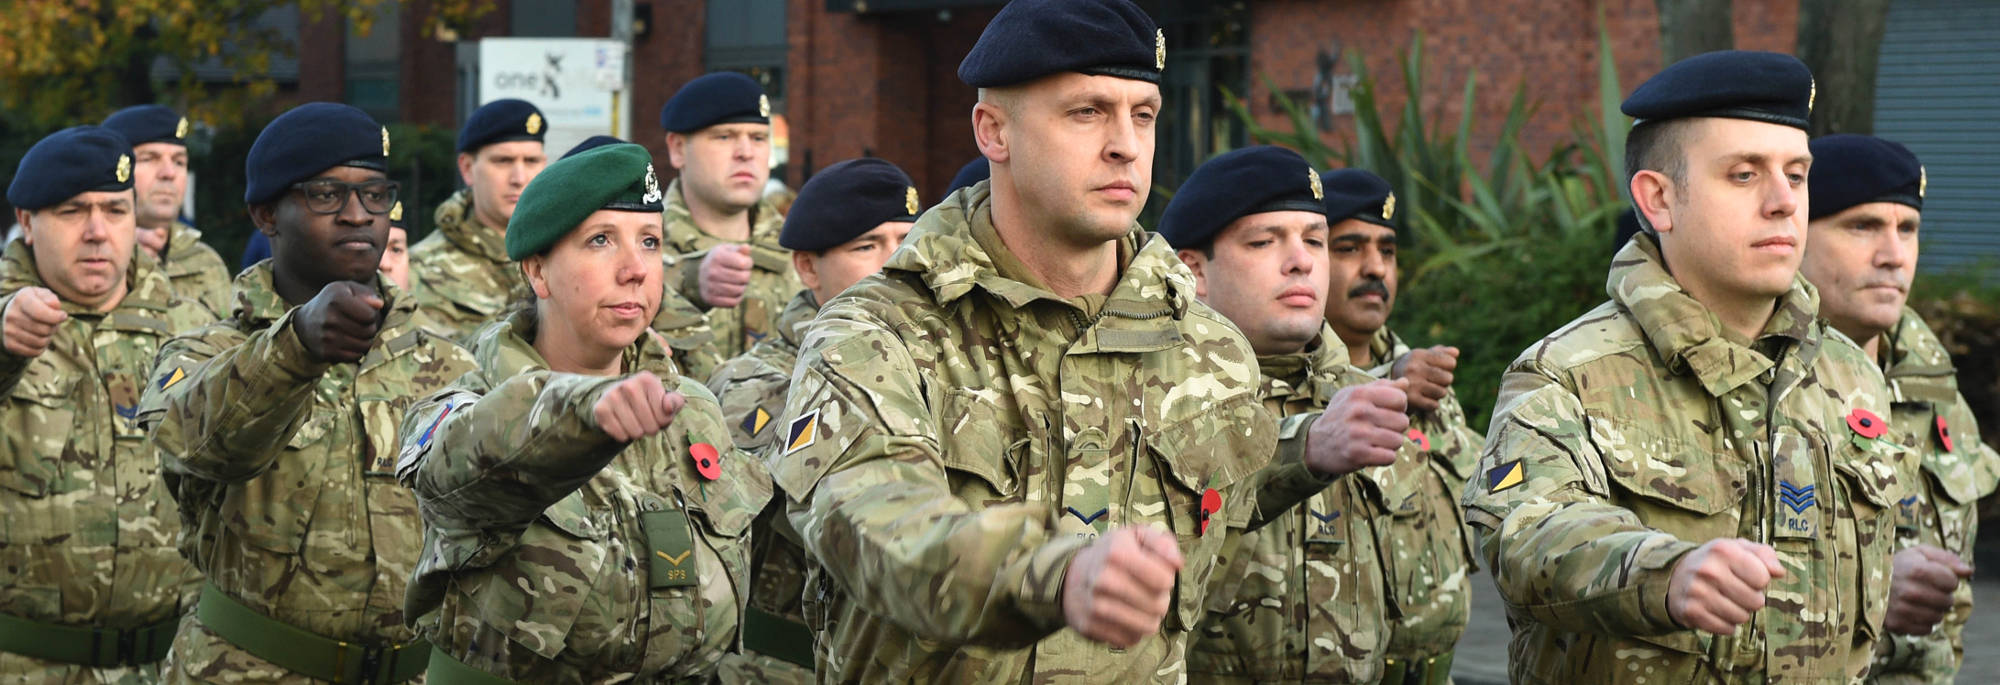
<point x="328" y="196"/>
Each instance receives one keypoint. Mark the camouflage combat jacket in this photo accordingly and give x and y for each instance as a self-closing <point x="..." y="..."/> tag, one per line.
<point x="955" y="435"/>
<point x="772" y="281"/>
<point x="554" y="553"/>
<point x="284" y="469"/>
<point x="89" y="536"/>
<point x="751" y="389"/>
<point x="196" y="271"/>
<point x="1933" y="420"/>
<point x="1643" y="429"/>
<point x="463" y="280"/>
<point x="1302" y="598"/>
<point x="1427" y="546"/>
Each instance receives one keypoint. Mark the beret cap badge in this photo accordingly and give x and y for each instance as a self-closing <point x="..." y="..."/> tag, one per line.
<point x="1319" y="191"/>
<point x="534" y="123"/>
<point x="1923" y="182"/>
<point x="652" y="185"/>
<point x="385" y="141"/>
<point x="910" y="200"/>
<point x="1389" y="208"/>
<point x="181" y="129"/>
<point x="396" y="211"/>
<point x="1160" y="49"/>
<point x="764" y="105"/>
<point x="124" y="168"/>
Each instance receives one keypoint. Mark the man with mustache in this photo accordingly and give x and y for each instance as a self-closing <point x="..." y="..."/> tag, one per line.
<point x="1301" y="599"/>
<point x="1690" y="483"/>
<point x="278" y="427"/>
<point x="160" y="175"/>
<point x="1016" y="453"/>
<point x="721" y="232"/>
<point x="1868" y="199"/>
<point x="1426" y="555"/>
<point x="90" y="584"/>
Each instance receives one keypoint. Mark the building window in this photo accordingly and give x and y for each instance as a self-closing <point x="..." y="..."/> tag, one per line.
<point x="373" y="70"/>
<point x="542" y="19"/>
<point x="749" y="36"/>
<point x="1208" y="49"/>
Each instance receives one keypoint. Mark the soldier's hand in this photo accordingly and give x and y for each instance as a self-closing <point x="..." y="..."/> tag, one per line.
<point x="1363" y="426"/>
<point x="31" y="320"/>
<point x="725" y="274"/>
<point x="636" y="407"/>
<point x="339" y="324"/>
<point x="1720" y="585"/>
<point x="1429" y="371"/>
<point x="1920" y="586"/>
<point x="153" y="239"/>
<point x="1118" y="589"/>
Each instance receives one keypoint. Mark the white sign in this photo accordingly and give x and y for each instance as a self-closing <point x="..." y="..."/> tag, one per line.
<point x="578" y="83"/>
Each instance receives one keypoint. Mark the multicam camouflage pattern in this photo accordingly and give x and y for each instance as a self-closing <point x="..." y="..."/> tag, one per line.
<point x="954" y="435"/>
<point x="463" y="280"/>
<point x="89" y="536"/>
<point x="536" y="564"/>
<point x="772" y="281"/>
<point x="1302" y="599"/>
<point x="196" y="271"/>
<point x="1427" y="546"/>
<point x="284" y="469"/>
<point x="1945" y="512"/>
<point x="1641" y="430"/>
<point x="751" y="389"/>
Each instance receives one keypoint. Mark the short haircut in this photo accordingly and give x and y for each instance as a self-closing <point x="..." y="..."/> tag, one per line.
<point x="1658" y="146"/>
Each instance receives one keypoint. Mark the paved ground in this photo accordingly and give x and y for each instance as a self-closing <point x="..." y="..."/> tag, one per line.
<point x="1481" y="658"/>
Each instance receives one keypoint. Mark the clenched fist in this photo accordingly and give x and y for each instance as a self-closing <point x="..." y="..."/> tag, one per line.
<point x="636" y="407"/>
<point x="31" y="320"/>
<point x="1118" y="589"/>
<point x="339" y="324"/>
<point x="1429" y="371"/>
<point x="1363" y="426"/>
<point x="1921" y="582"/>
<point x="725" y="274"/>
<point x="1720" y="585"/>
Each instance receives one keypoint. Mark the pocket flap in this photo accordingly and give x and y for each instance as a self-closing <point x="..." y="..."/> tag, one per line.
<point x="1670" y="472"/>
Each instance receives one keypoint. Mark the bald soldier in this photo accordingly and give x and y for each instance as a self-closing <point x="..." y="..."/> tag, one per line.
<point x="1426" y="549"/>
<point x="1868" y="199"/>
<point x="160" y="180"/>
<point x="1690" y="483"/>
<point x="277" y="428"/>
<point x="1302" y="599"/>
<point x="91" y="586"/>
<point x="846" y="222"/>
<point x="1016" y="452"/>
<point x="722" y="233"/>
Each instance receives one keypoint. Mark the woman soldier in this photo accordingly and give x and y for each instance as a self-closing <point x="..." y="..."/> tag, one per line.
<point x="585" y="512"/>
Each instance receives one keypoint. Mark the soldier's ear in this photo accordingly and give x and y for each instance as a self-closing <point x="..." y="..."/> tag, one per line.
<point x="532" y="269"/>
<point x="676" y="150"/>
<point x="1197" y="263"/>
<point x="465" y="160"/>
<point x="989" y="130"/>
<point x="265" y="218"/>
<point x="1652" y="194"/>
<point x="804" y="264"/>
<point x="27" y="229"/>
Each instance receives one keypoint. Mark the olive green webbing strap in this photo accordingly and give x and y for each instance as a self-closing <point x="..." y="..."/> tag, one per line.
<point x="307" y="653"/>
<point x="98" y="647"/>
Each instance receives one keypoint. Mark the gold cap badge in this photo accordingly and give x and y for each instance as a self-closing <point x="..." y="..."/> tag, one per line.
<point x="1389" y="208"/>
<point x="1812" y="95"/>
<point x="1160" y="49"/>
<point x="124" y="168"/>
<point x="534" y="123"/>
<point x="385" y="141"/>
<point x="1923" y="181"/>
<point x="764" y="106"/>
<point x="396" y="211"/>
<point x="1319" y="191"/>
<point x="910" y="200"/>
<point x="181" y="129"/>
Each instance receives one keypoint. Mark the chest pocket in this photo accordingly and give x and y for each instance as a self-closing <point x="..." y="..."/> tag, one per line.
<point x="1683" y="486"/>
<point x="1188" y="459"/>
<point x="1870" y="481"/>
<point x="983" y="450"/>
<point x="562" y="556"/>
<point x="38" y="425"/>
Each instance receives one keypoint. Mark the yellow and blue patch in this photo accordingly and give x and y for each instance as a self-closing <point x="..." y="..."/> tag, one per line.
<point x="755" y="421"/>
<point x="1505" y="476"/>
<point x="804" y="431"/>
<point x="176" y="376"/>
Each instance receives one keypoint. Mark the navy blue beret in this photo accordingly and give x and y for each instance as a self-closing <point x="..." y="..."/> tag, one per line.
<point x="724" y="97"/>
<point x="973" y="172"/>
<point x="594" y="142"/>
<point x="75" y="160"/>
<point x="1735" y="84"/>
<point x="845" y="200"/>
<point x="307" y="141"/>
<point x="1030" y="39"/>
<point x="1849" y="170"/>
<point x="501" y="121"/>
<point x="1359" y="194"/>
<point x="1238" y="183"/>
<point x="149" y="124"/>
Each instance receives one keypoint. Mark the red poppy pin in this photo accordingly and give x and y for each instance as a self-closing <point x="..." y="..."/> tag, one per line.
<point x="707" y="461"/>
<point x="1944" y="434"/>
<point x="1417" y="436"/>
<point x="1866" y="424"/>
<point x="1211" y="502"/>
